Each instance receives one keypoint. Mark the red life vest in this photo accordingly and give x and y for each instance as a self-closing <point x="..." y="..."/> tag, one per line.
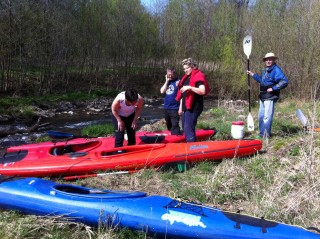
<point x="196" y="76"/>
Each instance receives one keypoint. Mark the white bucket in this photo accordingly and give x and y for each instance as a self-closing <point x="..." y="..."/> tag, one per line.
<point x="237" y="129"/>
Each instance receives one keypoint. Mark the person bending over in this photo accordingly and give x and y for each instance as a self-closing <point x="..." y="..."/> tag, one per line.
<point x="126" y="109"/>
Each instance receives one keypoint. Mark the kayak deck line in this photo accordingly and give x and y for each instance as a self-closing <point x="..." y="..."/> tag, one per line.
<point x="71" y="148"/>
<point x="183" y="204"/>
<point x="78" y="191"/>
<point x="216" y="151"/>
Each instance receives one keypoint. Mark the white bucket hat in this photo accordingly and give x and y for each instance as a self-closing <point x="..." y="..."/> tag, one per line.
<point x="270" y="55"/>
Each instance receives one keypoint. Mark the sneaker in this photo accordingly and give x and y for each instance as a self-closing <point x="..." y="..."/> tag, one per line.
<point x="257" y="137"/>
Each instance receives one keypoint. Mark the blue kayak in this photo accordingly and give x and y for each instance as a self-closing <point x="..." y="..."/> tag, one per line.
<point x="157" y="215"/>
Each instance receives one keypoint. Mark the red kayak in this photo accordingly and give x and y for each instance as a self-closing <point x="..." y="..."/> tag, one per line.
<point x="45" y="149"/>
<point x="82" y="160"/>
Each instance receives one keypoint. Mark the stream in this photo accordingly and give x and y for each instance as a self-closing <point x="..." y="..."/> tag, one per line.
<point x="150" y="114"/>
<point x="74" y="122"/>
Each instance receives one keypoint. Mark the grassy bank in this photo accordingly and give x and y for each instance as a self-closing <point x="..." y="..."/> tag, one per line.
<point x="281" y="183"/>
<point x="23" y="105"/>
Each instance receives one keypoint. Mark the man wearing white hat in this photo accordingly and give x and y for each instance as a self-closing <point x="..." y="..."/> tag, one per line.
<point x="271" y="81"/>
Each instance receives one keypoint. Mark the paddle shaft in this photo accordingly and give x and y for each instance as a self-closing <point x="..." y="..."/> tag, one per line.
<point x="62" y="135"/>
<point x="75" y="177"/>
<point x="249" y="93"/>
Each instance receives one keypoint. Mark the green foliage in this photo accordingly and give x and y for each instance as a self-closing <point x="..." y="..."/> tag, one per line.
<point x="126" y="233"/>
<point x="224" y="197"/>
<point x="204" y="125"/>
<point x="172" y="178"/>
<point x="24" y="105"/>
<point x="217" y="112"/>
<point x="194" y="193"/>
<point x="261" y="170"/>
<point x="7" y="102"/>
<point x="233" y="79"/>
<point x="280" y="144"/>
<point x="294" y="151"/>
<point x="27" y="111"/>
<point x="127" y="42"/>
<point x="103" y="92"/>
<point x="206" y="166"/>
<point x="221" y="120"/>
<point x="297" y="178"/>
<point x="223" y="130"/>
<point x="98" y="130"/>
<point x="33" y="227"/>
<point x="147" y="173"/>
<point x="43" y="139"/>
<point x="79" y="96"/>
<point x="285" y="127"/>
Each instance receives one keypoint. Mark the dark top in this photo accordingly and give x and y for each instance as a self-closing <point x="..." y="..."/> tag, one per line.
<point x="170" y="102"/>
<point x="197" y="106"/>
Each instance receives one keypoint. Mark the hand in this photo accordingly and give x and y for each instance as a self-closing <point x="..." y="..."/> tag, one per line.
<point x="134" y="125"/>
<point x="120" y="126"/>
<point x="185" y="88"/>
<point x="269" y="89"/>
<point x="250" y="73"/>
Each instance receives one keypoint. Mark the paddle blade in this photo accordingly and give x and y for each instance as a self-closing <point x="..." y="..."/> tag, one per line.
<point x="7" y="144"/>
<point x="302" y="118"/>
<point x="247" y="45"/>
<point x="59" y="135"/>
<point x="250" y="123"/>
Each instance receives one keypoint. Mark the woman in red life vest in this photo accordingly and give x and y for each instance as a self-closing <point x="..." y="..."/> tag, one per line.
<point x="192" y="87"/>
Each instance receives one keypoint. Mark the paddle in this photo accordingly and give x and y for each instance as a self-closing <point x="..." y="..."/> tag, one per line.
<point x="60" y="135"/>
<point x="302" y="118"/>
<point x="304" y="121"/>
<point x="6" y="144"/>
<point x="75" y="177"/>
<point x="247" y="46"/>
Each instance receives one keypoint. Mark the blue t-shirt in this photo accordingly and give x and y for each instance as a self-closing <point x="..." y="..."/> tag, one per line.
<point x="170" y="102"/>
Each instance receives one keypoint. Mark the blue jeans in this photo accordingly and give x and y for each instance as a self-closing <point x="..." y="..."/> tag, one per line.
<point x="266" y="112"/>
<point x="189" y="122"/>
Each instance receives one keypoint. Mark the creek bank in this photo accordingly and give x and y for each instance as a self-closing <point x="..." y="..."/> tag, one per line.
<point x="87" y="112"/>
<point x="68" y="108"/>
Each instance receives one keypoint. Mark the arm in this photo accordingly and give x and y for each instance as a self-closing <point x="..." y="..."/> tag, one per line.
<point x="255" y="76"/>
<point x="281" y="79"/>
<point x="138" y="112"/>
<point x="165" y="86"/>
<point x="114" y="109"/>
<point x="201" y="90"/>
<point x="180" y="108"/>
